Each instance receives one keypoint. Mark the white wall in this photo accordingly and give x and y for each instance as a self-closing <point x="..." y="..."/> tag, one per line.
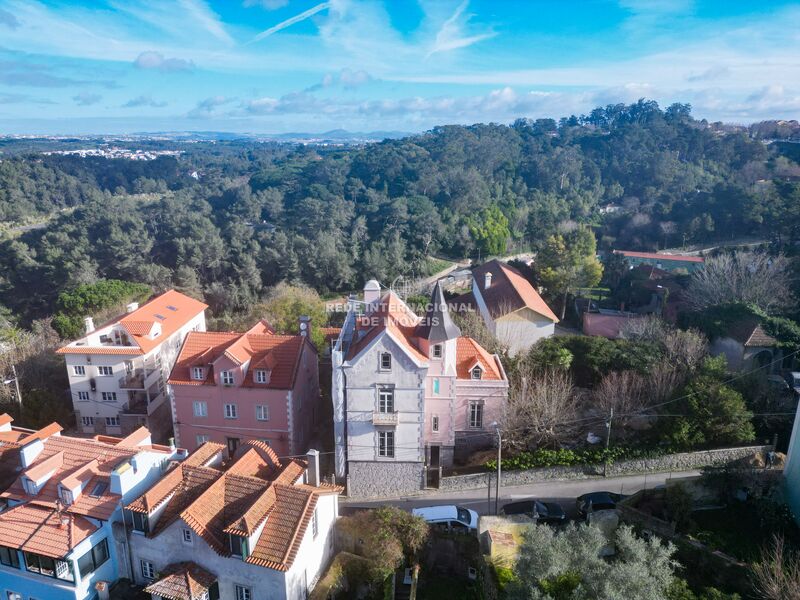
<point x="522" y="329"/>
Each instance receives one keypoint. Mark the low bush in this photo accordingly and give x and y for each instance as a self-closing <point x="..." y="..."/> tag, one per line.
<point x="543" y="458"/>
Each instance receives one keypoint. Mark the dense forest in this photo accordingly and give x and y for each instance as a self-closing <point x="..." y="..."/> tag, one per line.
<point x="257" y="214"/>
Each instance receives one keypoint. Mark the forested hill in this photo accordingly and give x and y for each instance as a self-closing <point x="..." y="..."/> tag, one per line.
<point x="642" y="177"/>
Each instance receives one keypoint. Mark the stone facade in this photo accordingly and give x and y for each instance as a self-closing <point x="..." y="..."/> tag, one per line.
<point x="374" y="479"/>
<point x="684" y="461"/>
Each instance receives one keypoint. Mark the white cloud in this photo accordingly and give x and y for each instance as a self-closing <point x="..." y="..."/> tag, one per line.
<point x="291" y="21"/>
<point x="87" y="99"/>
<point x="155" y="60"/>
<point x="208" y="108"/>
<point x="143" y="101"/>
<point x="715" y="72"/>
<point x="199" y="10"/>
<point x="268" y="4"/>
<point x="452" y="34"/>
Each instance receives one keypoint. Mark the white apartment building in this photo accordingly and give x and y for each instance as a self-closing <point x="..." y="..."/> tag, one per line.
<point x="118" y="371"/>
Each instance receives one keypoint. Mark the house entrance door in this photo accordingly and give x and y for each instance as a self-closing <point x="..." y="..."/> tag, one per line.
<point x="434" y="467"/>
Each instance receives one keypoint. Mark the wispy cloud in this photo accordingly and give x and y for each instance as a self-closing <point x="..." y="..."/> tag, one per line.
<point x="8" y="19"/>
<point x="268" y="4"/>
<point x="715" y="72"/>
<point x="209" y="107"/>
<point x="157" y="61"/>
<point x="86" y="99"/>
<point x="452" y="34"/>
<point x="291" y="21"/>
<point x="143" y="101"/>
<point x="200" y="11"/>
<point x="346" y="78"/>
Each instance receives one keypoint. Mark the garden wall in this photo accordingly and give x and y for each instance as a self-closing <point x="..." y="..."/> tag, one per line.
<point x="684" y="461"/>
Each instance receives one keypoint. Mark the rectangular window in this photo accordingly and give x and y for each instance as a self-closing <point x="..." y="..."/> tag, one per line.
<point x="476" y="415"/>
<point x="231" y="411"/>
<point x="386" y="444"/>
<point x="201" y="439"/>
<point x="83" y="396"/>
<point x="386" y="361"/>
<point x="477" y="372"/>
<point x="198" y="373"/>
<point x="109" y="396"/>
<point x="98" y="489"/>
<point x="112" y="421"/>
<point x="436" y="386"/>
<point x="434" y="423"/>
<point x="261" y="376"/>
<point x="200" y="408"/>
<point x="140" y="522"/>
<point x="105" y="371"/>
<point x="227" y="377"/>
<point x="95" y="557"/>
<point x="436" y="351"/>
<point x="9" y="557"/>
<point x="36" y="563"/>
<point x="243" y="593"/>
<point x="238" y="546"/>
<point x="79" y="370"/>
<point x="314" y="524"/>
<point x="262" y="412"/>
<point x="233" y="445"/>
<point x="187" y="536"/>
<point x="386" y="400"/>
<point x="148" y="569"/>
<point x="87" y="421"/>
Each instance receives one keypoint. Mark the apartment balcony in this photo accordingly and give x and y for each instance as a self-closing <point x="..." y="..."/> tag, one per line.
<point x="385" y="418"/>
<point x="132" y="380"/>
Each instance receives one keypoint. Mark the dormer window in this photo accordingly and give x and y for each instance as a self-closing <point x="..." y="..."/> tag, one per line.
<point x="477" y="372"/>
<point x="198" y="373"/>
<point x="98" y="490"/>
<point x="261" y="376"/>
<point x="227" y="377"/>
<point x="386" y="361"/>
<point x="436" y="351"/>
<point x="239" y="546"/>
<point x="140" y="522"/>
<point x="65" y="495"/>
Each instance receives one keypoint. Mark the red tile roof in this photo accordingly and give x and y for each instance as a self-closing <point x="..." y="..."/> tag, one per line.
<point x="182" y="581"/>
<point x="171" y="311"/>
<point x="751" y="334"/>
<point x="656" y="256"/>
<point x="41" y="530"/>
<point x="468" y="354"/>
<point x="281" y="353"/>
<point x="509" y="291"/>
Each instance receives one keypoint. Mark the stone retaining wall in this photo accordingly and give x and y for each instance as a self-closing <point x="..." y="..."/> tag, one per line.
<point x="371" y="479"/>
<point x="684" y="461"/>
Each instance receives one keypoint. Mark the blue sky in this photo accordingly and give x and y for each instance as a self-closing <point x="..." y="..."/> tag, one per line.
<point x="271" y="66"/>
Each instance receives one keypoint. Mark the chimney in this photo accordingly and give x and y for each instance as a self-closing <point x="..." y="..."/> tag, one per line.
<point x="372" y="293"/>
<point x="487" y="281"/>
<point x="171" y="443"/>
<point x="88" y="323"/>
<point x="132" y="307"/>
<point x="313" y="467"/>
<point x="305" y="325"/>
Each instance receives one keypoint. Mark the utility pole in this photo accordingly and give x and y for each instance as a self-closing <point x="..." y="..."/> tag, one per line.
<point x="489" y="492"/>
<point x="16" y="386"/>
<point x="608" y="440"/>
<point x="499" y="470"/>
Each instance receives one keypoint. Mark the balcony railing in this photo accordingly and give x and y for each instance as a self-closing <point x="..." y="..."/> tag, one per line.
<point x="132" y="380"/>
<point x="385" y="418"/>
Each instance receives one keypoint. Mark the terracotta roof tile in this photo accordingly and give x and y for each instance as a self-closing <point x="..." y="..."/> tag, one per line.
<point x="42" y="434"/>
<point x="468" y="354"/>
<point x="39" y="529"/>
<point x="203" y="454"/>
<point x="750" y="333"/>
<point x="182" y="581"/>
<point x="509" y="291"/>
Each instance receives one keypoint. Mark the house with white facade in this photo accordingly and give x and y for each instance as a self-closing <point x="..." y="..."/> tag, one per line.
<point x="118" y="371"/>
<point x="510" y="306"/>
<point x="60" y="505"/>
<point x="254" y="528"/>
<point x="410" y="394"/>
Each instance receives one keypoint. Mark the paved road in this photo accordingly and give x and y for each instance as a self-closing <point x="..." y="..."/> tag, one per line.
<point x="563" y="492"/>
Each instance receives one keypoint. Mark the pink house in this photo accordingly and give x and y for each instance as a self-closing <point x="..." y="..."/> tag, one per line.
<point x="228" y="387"/>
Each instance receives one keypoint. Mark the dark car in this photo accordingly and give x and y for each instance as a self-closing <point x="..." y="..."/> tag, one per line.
<point x="597" y="501"/>
<point x="546" y="512"/>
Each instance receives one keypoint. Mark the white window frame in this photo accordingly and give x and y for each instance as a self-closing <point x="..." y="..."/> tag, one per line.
<point x="105" y="371"/>
<point x="261" y="376"/>
<point x="112" y="421"/>
<point x="226" y="377"/>
<point x="200" y="408"/>
<point x="382" y="356"/>
<point x="198" y="373"/>
<point x="108" y="396"/>
<point x="231" y="411"/>
<point x="201" y="438"/>
<point x="186" y="536"/>
<point x="475" y="415"/>
<point x="262" y="412"/>
<point x="435" y="423"/>
<point x="385" y="448"/>
<point x="83" y="396"/>
<point x="79" y="370"/>
<point x="436" y="351"/>
<point x="436" y="386"/>
<point x="476" y="370"/>
<point x="87" y="421"/>
<point x="243" y="592"/>
<point x="148" y="569"/>
<point x="385" y="399"/>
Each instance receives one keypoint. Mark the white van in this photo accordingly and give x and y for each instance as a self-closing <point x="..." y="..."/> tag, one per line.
<point x="449" y="516"/>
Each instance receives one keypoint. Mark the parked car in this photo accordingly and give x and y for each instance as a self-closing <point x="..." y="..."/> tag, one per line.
<point x="597" y="501"/>
<point x="793" y="379"/>
<point x="545" y="512"/>
<point x="449" y="516"/>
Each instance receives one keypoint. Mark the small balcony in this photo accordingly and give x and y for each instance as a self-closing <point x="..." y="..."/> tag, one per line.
<point x="132" y="380"/>
<point x="385" y="418"/>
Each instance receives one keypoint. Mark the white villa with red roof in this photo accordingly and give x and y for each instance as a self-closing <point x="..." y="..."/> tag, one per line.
<point x="255" y="527"/>
<point x="118" y="371"/>
<point x="227" y="387"/>
<point x="409" y="394"/>
<point x="60" y="501"/>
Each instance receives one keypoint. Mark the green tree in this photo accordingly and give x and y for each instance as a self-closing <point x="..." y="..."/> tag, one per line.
<point x="490" y="231"/>
<point x="287" y="303"/>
